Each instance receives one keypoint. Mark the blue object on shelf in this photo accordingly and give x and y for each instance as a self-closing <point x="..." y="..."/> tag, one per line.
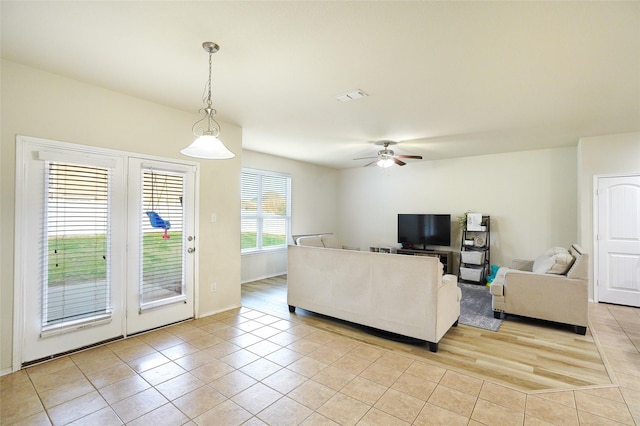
<point x="157" y="221"/>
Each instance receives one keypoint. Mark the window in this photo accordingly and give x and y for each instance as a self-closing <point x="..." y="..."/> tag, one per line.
<point x="76" y="245"/>
<point x="265" y="210"/>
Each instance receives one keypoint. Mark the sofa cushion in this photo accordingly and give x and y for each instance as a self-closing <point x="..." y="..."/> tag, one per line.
<point x="556" y="260"/>
<point x="310" y="241"/>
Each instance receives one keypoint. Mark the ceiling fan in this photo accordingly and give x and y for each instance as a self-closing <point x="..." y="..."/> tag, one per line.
<point x="386" y="157"/>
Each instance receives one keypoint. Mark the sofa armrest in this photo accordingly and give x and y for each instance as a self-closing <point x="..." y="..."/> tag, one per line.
<point x="522" y="265"/>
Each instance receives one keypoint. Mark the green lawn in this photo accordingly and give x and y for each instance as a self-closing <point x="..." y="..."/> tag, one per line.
<point x="248" y="240"/>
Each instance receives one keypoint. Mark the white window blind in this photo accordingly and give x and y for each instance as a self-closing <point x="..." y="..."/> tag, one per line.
<point x="265" y="210"/>
<point x="162" y="269"/>
<point x="76" y="287"/>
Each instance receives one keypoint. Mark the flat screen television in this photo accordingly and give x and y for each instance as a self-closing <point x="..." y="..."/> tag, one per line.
<point x="424" y="230"/>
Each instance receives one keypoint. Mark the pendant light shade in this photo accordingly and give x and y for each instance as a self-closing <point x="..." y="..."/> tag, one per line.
<point x="207" y="145"/>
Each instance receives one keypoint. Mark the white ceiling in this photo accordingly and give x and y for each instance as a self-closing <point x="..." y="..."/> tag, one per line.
<point x="448" y="79"/>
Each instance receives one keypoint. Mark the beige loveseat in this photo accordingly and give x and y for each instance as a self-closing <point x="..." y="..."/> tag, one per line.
<point x="557" y="290"/>
<point x="406" y="295"/>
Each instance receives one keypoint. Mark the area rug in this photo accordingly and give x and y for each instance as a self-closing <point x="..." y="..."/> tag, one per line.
<point x="475" y="307"/>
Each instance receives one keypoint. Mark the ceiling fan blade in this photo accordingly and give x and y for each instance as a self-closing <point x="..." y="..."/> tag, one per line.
<point x="398" y="162"/>
<point x="416" y="157"/>
<point x="370" y="164"/>
<point x="364" y="158"/>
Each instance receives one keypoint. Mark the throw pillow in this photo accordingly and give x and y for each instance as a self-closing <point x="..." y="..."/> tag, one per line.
<point x="556" y="260"/>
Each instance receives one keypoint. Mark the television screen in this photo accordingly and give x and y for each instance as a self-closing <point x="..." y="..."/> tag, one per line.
<point x="424" y="229"/>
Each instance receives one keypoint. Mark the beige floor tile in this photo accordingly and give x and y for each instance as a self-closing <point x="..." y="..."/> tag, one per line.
<point x="160" y="339"/>
<point x="414" y="386"/>
<point x="212" y="371"/>
<point x="304" y="346"/>
<point x="397" y="362"/>
<point x="37" y="419"/>
<point x="550" y="411"/>
<point x="178" y="386"/>
<point x="426" y="371"/>
<point x="603" y="407"/>
<point x="381" y="374"/>
<point x="249" y="326"/>
<point x="136" y="351"/>
<point x="503" y="396"/>
<point x="167" y="414"/>
<point x="139" y="404"/>
<point x="260" y="368"/>
<point x="612" y="393"/>
<point x="245" y="340"/>
<point x="240" y="358"/>
<point x="148" y="362"/>
<point x="221" y="350"/>
<point x="489" y="413"/>
<point x="306" y="366"/>
<point x="367" y="352"/>
<point x="232" y="383"/>
<point x="75" y="409"/>
<point x="123" y="389"/>
<point x="265" y="332"/>
<point x="284" y="380"/>
<point x="228" y="333"/>
<point x="191" y="333"/>
<point x="364" y="390"/>
<point x="312" y="394"/>
<point x="326" y="354"/>
<point x="227" y="413"/>
<point x="65" y="392"/>
<point x="375" y="417"/>
<point x="400" y="405"/>
<point x="343" y="409"/>
<point x="179" y="350"/>
<point x="111" y="375"/>
<point x="302" y="330"/>
<point x="256" y="398"/>
<point x="162" y="373"/>
<point x="103" y="417"/>
<point x="94" y="360"/>
<point x="284" y="338"/>
<point x="47" y="382"/>
<point x="206" y="341"/>
<point x="199" y="401"/>
<point x="563" y="397"/>
<point x="586" y="418"/>
<point x="434" y="415"/>
<point x="282" y="324"/>
<point x="263" y="348"/>
<point x="21" y="403"/>
<point x="462" y="382"/>
<point x="284" y="356"/>
<point x="284" y="411"/>
<point x="317" y="419"/>
<point x="453" y="400"/>
<point x="195" y="360"/>
<point x="50" y="367"/>
<point x="352" y="364"/>
<point x="335" y="378"/>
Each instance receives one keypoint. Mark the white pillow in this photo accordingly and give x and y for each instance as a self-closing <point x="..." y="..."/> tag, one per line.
<point x="310" y="241"/>
<point x="331" y="241"/>
<point x="556" y="260"/>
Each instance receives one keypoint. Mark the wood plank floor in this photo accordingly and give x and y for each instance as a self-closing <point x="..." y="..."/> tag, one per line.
<point x="525" y="355"/>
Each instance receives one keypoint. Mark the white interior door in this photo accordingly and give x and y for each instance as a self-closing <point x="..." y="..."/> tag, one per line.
<point x="618" y="240"/>
<point x="161" y="244"/>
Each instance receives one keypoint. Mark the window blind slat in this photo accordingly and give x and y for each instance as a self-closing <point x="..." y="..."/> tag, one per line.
<point x="76" y="245"/>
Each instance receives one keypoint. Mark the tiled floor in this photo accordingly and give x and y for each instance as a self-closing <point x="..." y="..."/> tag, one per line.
<point x="246" y="367"/>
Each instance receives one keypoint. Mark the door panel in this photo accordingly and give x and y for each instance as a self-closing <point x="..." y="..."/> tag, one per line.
<point x="161" y="244"/>
<point x="618" y="240"/>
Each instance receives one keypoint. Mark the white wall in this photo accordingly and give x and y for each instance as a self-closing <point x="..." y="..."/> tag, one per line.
<point x="40" y="104"/>
<point x="530" y="196"/>
<point x="314" y="208"/>
<point x="602" y="155"/>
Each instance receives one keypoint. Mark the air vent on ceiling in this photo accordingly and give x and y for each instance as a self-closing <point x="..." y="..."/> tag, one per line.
<point x="355" y="94"/>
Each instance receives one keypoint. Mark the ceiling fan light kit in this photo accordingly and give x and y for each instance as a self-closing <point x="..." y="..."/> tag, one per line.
<point x="207" y="145"/>
<point x="387" y="158"/>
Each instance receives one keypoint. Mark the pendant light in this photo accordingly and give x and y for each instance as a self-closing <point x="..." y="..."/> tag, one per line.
<point x="207" y="145"/>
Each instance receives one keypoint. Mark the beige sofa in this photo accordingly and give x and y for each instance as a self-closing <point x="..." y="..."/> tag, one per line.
<point x="405" y="295"/>
<point x="554" y="287"/>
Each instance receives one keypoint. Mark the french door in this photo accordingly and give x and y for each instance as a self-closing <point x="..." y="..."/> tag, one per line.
<point x="104" y="246"/>
<point x="618" y="240"/>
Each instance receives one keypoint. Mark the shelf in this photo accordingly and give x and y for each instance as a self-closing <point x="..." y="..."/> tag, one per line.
<point x="475" y="251"/>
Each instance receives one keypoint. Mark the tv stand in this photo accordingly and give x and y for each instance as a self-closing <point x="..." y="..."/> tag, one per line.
<point x="444" y="256"/>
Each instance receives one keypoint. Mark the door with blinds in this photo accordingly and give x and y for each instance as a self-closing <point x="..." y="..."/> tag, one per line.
<point x="104" y="246"/>
<point x="161" y="244"/>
